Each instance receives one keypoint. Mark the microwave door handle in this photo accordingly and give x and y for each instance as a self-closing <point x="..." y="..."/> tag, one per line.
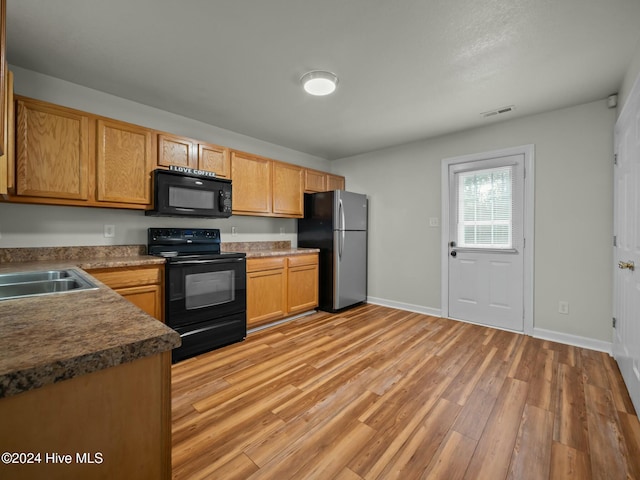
<point x="206" y="262"/>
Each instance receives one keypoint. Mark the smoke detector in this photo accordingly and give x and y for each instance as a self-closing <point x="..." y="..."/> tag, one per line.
<point x="498" y="111"/>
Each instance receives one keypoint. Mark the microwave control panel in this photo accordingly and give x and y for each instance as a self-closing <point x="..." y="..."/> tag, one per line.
<point x="224" y="199"/>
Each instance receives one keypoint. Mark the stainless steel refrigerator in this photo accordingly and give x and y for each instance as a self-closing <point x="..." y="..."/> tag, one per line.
<point x="336" y="223"/>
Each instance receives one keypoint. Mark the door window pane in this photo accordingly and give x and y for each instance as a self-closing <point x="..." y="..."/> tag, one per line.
<point x="485" y="207"/>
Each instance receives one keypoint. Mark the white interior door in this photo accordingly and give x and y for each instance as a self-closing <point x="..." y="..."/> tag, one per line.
<point x="486" y="242"/>
<point x="626" y="342"/>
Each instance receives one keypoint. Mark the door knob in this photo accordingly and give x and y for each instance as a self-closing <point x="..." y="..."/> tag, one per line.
<point x="630" y="265"/>
<point x="454" y="253"/>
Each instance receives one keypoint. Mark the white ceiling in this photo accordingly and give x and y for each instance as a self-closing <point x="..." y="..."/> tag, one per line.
<point x="408" y="69"/>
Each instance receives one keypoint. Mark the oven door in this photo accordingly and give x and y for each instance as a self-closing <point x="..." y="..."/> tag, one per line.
<point x="202" y="290"/>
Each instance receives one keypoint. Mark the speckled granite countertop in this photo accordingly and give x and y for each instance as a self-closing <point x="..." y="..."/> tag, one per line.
<point x="266" y="249"/>
<point x="277" y="253"/>
<point x="51" y="338"/>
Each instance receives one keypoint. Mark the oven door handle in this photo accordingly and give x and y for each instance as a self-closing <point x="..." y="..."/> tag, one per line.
<point x="206" y="262"/>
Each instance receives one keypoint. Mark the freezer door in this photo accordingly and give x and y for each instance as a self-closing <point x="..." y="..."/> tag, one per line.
<point x="350" y="211"/>
<point x="350" y="268"/>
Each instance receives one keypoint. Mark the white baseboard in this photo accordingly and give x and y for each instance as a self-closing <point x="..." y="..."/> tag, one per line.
<point x="575" y="340"/>
<point x="566" y="338"/>
<point x="435" y="312"/>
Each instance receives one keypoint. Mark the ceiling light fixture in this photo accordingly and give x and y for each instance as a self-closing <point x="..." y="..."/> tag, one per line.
<point x="318" y="82"/>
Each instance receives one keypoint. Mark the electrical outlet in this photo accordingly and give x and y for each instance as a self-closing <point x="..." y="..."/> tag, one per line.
<point x="563" y="307"/>
<point x="109" y="231"/>
<point x="434" y="222"/>
<point x="234" y="231"/>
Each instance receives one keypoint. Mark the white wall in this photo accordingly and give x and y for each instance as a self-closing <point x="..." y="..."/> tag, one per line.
<point x="32" y="226"/>
<point x="573" y="214"/>
<point x="632" y="75"/>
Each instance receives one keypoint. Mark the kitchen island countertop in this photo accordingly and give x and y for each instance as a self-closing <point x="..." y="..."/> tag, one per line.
<point x="50" y="338"/>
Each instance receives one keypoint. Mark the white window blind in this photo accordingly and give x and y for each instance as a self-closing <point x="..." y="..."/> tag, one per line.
<point x="485" y="208"/>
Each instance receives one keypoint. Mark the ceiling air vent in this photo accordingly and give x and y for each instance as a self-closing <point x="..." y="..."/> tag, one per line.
<point x="498" y="111"/>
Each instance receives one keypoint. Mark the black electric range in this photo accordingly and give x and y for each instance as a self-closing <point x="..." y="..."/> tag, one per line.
<point x="205" y="289"/>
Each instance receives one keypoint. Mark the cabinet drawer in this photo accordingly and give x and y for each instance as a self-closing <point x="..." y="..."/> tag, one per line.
<point x="128" y="277"/>
<point x="265" y="263"/>
<point x="297" y="260"/>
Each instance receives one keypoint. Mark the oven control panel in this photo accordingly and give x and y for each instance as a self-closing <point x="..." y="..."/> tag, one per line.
<point x="159" y="236"/>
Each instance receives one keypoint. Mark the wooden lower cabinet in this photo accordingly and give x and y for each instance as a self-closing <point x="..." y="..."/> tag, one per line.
<point x="302" y="285"/>
<point x="142" y="286"/>
<point x="266" y="290"/>
<point x="119" y="418"/>
<point x="278" y="287"/>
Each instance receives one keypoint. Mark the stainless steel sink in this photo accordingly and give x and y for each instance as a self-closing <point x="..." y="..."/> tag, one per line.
<point x="22" y="277"/>
<point x="46" y="282"/>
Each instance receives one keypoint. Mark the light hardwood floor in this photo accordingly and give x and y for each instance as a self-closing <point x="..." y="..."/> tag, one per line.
<point x="378" y="393"/>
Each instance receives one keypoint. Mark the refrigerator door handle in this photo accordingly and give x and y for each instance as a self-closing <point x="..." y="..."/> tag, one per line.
<point x="341" y="227"/>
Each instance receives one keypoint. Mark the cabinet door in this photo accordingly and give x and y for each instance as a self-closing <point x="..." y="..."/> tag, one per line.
<point x="288" y="189"/>
<point x="123" y="163"/>
<point x="7" y="159"/>
<point x="266" y="296"/>
<point x="302" y="288"/>
<point x="3" y="73"/>
<point x="214" y="158"/>
<point x="52" y="151"/>
<point x="146" y="297"/>
<point x="177" y="151"/>
<point x="142" y="286"/>
<point x="251" y="177"/>
<point x="334" y="182"/>
<point x="315" y="181"/>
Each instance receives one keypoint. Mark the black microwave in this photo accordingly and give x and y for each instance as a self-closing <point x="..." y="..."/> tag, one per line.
<point x="190" y="193"/>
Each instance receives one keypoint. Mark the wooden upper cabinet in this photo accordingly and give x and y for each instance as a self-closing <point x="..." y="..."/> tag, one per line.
<point x="315" y="181"/>
<point x="52" y="151"/>
<point x="214" y="158"/>
<point x="288" y="182"/>
<point x="3" y="74"/>
<point x="251" y="176"/>
<point x="124" y="162"/>
<point x="177" y="151"/>
<point x="7" y="159"/>
<point x="335" y="182"/>
<point x="186" y="152"/>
